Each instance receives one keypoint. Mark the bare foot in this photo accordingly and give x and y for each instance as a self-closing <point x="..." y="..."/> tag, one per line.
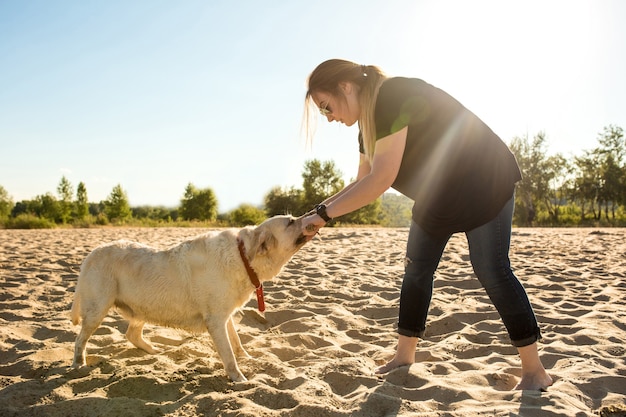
<point x="534" y="375"/>
<point x="535" y="382"/>
<point x="390" y="366"/>
<point x="405" y="355"/>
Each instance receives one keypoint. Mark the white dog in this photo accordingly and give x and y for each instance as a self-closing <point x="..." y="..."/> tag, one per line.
<point x="195" y="285"/>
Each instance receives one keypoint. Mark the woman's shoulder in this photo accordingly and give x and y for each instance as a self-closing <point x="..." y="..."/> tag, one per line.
<point x="414" y="90"/>
<point x="397" y="82"/>
<point x="402" y="87"/>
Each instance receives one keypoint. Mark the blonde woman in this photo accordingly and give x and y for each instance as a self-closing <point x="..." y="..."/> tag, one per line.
<point x="461" y="176"/>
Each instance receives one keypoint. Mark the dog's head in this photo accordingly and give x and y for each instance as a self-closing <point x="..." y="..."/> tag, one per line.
<point x="270" y="245"/>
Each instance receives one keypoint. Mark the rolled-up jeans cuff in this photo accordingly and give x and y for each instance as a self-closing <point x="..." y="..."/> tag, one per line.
<point x="411" y="333"/>
<point x="528" y="340"/>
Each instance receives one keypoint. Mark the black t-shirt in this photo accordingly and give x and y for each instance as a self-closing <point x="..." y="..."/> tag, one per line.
<point x="455" y="168"/>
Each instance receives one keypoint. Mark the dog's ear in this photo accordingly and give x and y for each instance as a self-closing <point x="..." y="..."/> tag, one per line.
<point x="262" y="242"/>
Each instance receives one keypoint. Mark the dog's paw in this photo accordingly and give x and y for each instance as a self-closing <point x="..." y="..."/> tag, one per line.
<point x="238" y="377"/>
<point x="151" y="350"/>
<point x="75" y="372"/>
<point x="78" y="363"/>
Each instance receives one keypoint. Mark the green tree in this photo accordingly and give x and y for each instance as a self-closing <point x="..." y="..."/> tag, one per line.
<point x="198" y="204"/>
<point x="612" y="142"/>
<point x="6" y="204"/>
<point x="288" y="201"/>
<point x="116" y="206"/>
<point x="247" y="215"/>
<point x="47" y="207"/>
<point x="586" y="183"/>
<point x="21" y="207"/>
<point x="599" y="176"/>
<point x="158" y="213"/>
<point x="320" y="181"/>
<point x="65" y="190"/>
<point x="369" y="214"/>
<point x="555" y="172"/>
<point x="611" y="165"/>
<point x="81" y="205"/>
<point x="397" y="210"/>
<point x="534" y="189"/>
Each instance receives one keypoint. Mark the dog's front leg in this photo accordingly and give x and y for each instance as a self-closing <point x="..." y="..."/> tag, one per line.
<point x="217" y="330"/>
<point x="235" y="342"/>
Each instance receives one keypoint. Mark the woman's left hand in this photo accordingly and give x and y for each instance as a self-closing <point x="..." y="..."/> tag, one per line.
<point x="311" y="224"/>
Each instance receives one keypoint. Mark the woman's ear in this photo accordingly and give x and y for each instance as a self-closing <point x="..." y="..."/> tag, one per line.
<point x="345" y="87"/>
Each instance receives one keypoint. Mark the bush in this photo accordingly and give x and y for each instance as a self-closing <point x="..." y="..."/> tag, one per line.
<point x="246" y="215"/>
<point x="29" y="221"/>
<point x="90" y="221"/>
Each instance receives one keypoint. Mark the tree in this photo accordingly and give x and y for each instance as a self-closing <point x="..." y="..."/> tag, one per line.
<point x="45" y="206"/>
<point x="585" y="184"/>
<point x="21" y="207"/>
<point x="554" y="171"/>
<point x="611" y="164"/>
<point x="599" y="176"/>
<point x="158" y="213"/>
<point x="612" y="142"/>
<point x="397" y="210"/>
<point x="538" y="172"/>
<point x="116" y="207"/>
<point x="369" y="214"/>
<point x="198" y="204"/>
<point x="6" y="204"/>
<point x="320" y="181"/>
<point x="247" y="215"/>
<point x="82" y="202"/>
<point x="65" y="192"/>
<point x="288" y="201"/>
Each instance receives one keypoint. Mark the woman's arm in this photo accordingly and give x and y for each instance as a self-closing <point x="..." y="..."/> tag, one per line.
<point x="373" y="182"/>
<point x="364" y="169"/>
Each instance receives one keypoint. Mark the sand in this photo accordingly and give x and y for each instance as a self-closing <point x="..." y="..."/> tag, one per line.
<point x="330" y="321"/>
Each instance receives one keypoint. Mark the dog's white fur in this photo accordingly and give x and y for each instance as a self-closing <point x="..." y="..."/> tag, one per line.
<point x="196" y="285"/>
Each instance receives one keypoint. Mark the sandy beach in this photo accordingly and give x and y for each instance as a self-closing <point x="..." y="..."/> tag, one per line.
<point x="330" y="320"/>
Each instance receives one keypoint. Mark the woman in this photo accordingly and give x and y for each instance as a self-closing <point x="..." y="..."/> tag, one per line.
<point x="460" y="174"/>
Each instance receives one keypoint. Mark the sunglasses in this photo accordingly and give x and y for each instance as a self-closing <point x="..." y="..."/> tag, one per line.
<point x="325" y="111"/>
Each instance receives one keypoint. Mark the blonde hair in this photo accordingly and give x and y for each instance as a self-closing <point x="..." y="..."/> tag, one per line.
<point x="327" y="77"/>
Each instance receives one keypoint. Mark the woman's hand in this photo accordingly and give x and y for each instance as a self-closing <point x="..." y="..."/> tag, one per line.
<point x="311" y="224"/>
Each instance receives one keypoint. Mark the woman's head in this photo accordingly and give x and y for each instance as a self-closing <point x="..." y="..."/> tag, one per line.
<point x="342" y="106"/>
<point x="346" y="92"/>
<point x="334" y="88"/>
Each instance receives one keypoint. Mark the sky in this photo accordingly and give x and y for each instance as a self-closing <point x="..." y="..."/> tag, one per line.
<point x="153" y="95"/>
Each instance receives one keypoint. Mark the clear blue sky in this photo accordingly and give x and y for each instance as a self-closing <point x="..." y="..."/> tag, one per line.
<point x="156" y="94"/>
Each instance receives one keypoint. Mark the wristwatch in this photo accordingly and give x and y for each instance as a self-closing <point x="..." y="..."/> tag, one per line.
<point x="320" y="210"/>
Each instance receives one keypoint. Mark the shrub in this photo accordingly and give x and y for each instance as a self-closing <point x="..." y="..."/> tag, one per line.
<point x="246" y="215"/>
<point x="29" y="221"/>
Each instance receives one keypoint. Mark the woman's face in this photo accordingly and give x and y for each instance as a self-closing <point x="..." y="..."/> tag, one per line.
<point x="344" y="108"/>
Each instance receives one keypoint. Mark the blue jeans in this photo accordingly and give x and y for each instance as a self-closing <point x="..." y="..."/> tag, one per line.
<point x="489" y="254"/>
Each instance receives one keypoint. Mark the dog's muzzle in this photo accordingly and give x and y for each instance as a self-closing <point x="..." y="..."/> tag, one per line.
<point x="302" y="239"/>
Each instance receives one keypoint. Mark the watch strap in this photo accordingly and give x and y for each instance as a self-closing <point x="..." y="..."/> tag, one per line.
<point x="320" y="210"/>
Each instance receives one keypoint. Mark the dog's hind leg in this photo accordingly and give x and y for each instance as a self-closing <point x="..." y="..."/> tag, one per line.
<point x="89" y="326"/>
<point x="135" y="336"/>
<point x="235" y="342"/>
<point x="218" y="331"/>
